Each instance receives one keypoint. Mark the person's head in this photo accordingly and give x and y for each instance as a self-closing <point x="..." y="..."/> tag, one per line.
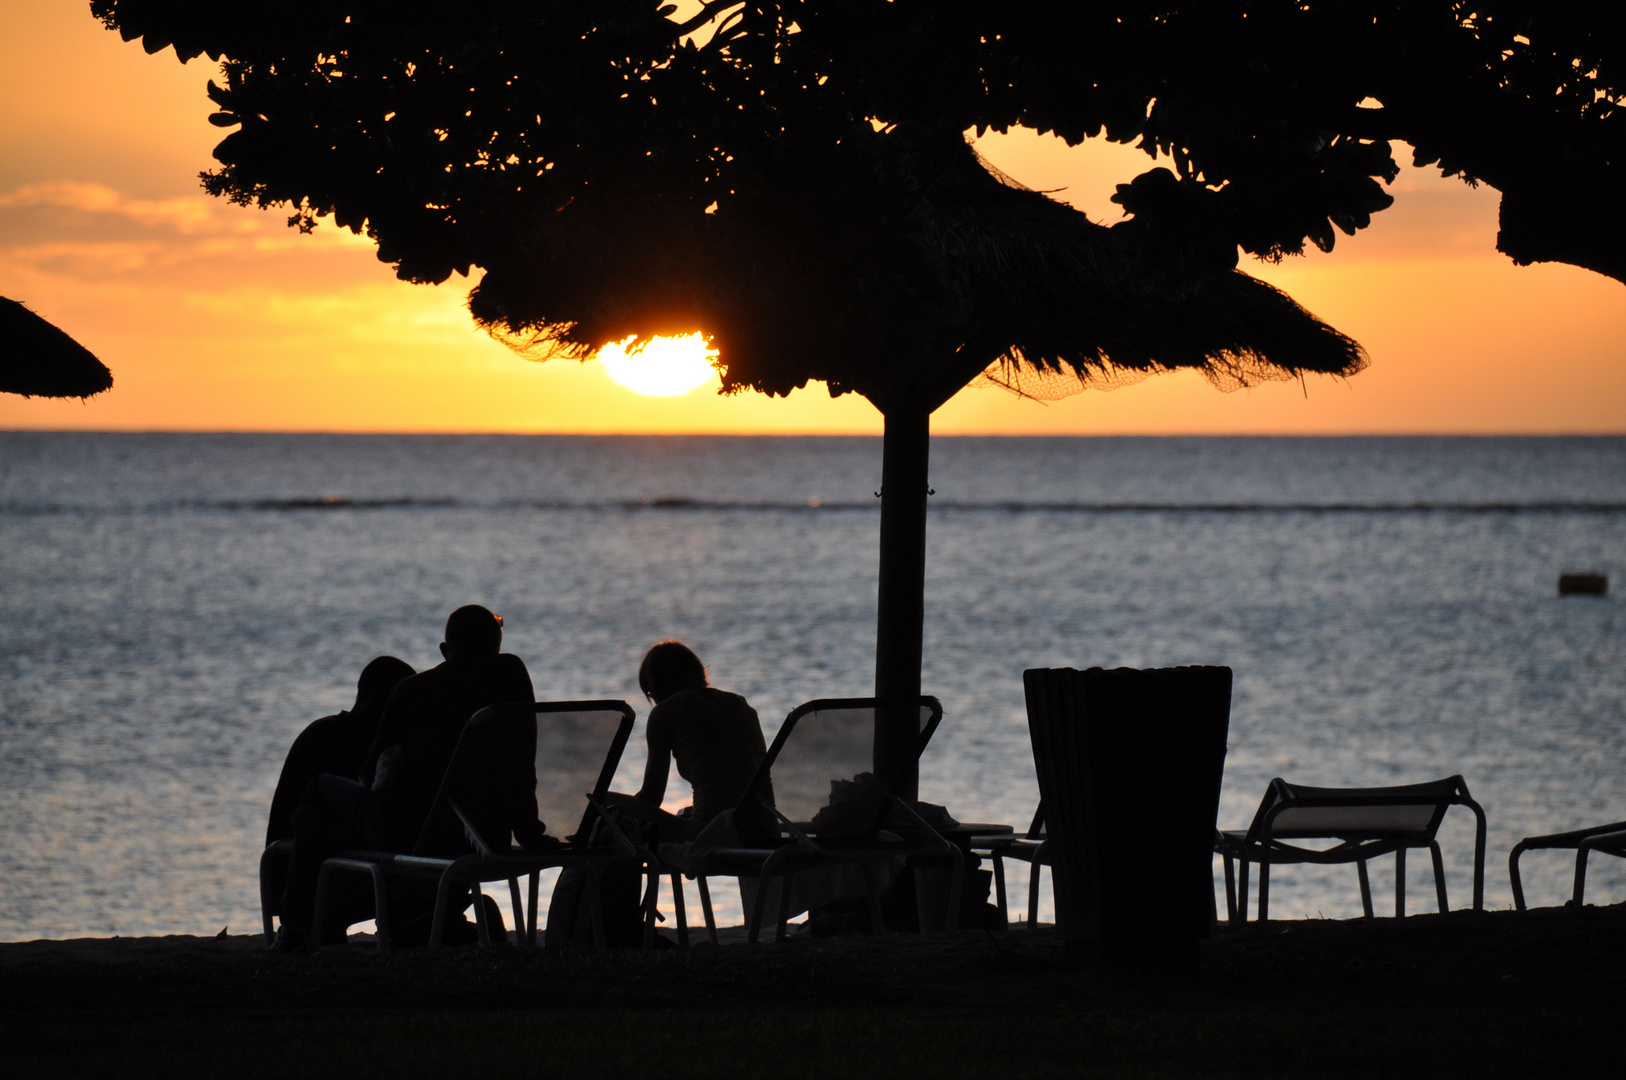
<point x="472" y="631"/>
<point x="378" y="678"/>
<point x="668" y="668"/>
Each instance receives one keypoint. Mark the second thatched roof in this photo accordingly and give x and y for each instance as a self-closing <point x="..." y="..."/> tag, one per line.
<point x="1053" y="303"/>
<point x="39" y="360"/>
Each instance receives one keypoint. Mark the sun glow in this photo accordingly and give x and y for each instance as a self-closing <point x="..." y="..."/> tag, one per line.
<point x="661" y="367"/>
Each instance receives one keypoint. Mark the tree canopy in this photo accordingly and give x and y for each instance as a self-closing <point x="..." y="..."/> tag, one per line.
<point x="780" y="174"/>
<point x="1276" y="112"/>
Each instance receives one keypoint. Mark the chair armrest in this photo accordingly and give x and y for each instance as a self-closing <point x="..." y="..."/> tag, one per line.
<point x="1604" y="841"/>
<point x="1568" y="839"/>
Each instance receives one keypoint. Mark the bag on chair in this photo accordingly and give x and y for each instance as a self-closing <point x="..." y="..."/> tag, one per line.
<point x="570" y="919"/>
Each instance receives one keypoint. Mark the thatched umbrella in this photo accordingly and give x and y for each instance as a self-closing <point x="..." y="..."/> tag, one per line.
<point x="1048" y="302"/>
<point x="1042" y="301"/>
<point x="39" y="360"/>
<point x="963" y="275"/>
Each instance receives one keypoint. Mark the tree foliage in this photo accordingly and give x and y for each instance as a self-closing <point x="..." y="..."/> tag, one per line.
<point x="1274" y="114"/>
<point x="773" y="172"/>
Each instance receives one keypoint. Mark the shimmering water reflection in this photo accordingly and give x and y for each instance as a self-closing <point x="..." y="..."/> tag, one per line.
<point x="175" y="608"/>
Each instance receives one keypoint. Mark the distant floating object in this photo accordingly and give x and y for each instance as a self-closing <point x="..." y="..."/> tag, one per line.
<point x="39" y="360"/>
<point x="1583" y="584"/>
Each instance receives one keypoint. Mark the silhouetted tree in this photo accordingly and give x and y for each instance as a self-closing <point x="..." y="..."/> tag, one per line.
<point x="790" y="178"/>
<point x="1276" y="114"/>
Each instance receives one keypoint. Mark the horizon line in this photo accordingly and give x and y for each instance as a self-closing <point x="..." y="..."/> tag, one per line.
<point x="781" y="433"/>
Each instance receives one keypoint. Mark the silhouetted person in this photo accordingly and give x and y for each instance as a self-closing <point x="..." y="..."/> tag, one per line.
<point x="420" y="728"/>
<point x="713" y="735"/>
<point x="416" y="736"/>
<point x="335" y="744"/>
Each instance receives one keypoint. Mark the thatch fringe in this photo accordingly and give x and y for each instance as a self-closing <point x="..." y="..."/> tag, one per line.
<point x="1069" y="308"/>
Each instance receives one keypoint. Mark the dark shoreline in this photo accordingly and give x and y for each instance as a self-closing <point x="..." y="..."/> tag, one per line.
<point x="1545" y="957"/>
<point x="1491" y="994"/>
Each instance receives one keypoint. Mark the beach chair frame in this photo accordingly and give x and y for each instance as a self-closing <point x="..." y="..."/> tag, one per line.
<point x="1367" y="822"/>
<point x="1032" y="847"/>
<point x="486" y="863"/>
<point x="1604" y="839"/>
<point x="798" y="848"/>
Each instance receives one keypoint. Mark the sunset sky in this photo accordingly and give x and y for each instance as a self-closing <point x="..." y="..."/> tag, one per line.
<point x="214" y="317"/>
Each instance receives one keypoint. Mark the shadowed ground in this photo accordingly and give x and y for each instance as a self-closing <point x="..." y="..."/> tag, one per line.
<point x="1497" y="994"/>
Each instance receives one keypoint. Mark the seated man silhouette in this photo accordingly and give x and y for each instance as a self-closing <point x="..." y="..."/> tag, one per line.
<point x="420" y="728"/>
<point x="416" y="736"/>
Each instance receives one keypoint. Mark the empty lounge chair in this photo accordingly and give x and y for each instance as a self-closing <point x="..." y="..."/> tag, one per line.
<point x="1604" y="839"/>
<point x="1366" y="822"/>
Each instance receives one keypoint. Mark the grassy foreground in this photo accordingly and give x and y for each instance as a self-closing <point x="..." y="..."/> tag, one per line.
<point x="1487" y="995"/>
<point x="814" y="1043"/>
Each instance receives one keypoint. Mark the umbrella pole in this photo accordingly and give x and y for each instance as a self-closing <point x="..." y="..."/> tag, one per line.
<point x="900" y="596"/>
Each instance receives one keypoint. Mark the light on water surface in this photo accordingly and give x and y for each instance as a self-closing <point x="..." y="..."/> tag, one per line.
<point x="175" y="609"/>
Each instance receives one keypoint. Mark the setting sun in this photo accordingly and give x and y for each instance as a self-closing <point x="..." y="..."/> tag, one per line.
<point x="662" y="367"/>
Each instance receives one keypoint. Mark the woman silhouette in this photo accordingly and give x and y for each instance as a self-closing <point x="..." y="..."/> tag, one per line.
<point x="713" y="735"/>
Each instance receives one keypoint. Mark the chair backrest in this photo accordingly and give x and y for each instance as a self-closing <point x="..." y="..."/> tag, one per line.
<point x="1296" y="811"/>
<point x="825" y="741"/>
<point x="578" y="745"/>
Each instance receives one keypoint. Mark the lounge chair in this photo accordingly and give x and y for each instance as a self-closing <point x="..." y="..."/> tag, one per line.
<point x="1032" y="847"/>
<point x="578" y="747"/>
<point x="1366" y="822"/>
<point x="1604" y="839"/>
<point x="827" y="740"/>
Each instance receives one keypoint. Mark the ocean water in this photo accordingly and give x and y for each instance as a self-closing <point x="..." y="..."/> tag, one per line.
<point x="174" y="608"/>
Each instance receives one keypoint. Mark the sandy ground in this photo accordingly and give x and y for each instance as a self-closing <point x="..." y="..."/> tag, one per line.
<point x="1546" y="959"/>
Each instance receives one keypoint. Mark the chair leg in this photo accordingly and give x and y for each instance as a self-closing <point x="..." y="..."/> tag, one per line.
<point x="705" y="906"/>
<point x="681" y="903"/>
<point x="1230" y="890"/>
<point x="753" y="925"/>
<point x="482" y="925"/>
<point x="1366" y="888"/>
<point x="1034" y="870"/>
<point x="1439" y="876"/>
<point x="1513" y="873"/>
<point x="652" y="897"/>
<point x="381" y="909"/>
<point x="268" y="902"/>
<point x="1264" y="892"/>
<point x="1580" y="875"/>
<point x="1479" y="856"/>
<point x="437" y="925"/>
<point x="530" y="922"/>
<point x="519" y="910"/>
<point x="1213" y="908"/>
<point x="1242" y="890"/>
<point x="1400" y="883"/>
<point x="999" y="887"/>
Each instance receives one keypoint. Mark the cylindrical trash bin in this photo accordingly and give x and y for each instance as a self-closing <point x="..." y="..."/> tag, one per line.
<point x="1129" y="765"/>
